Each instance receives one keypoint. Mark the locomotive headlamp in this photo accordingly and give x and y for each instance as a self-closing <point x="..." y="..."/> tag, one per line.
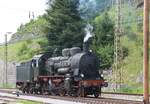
<point x="82" y="75"/>
<point x="90" y="51"/>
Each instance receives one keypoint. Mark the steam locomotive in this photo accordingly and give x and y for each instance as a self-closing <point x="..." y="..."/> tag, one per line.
<point x="75" y="73"/>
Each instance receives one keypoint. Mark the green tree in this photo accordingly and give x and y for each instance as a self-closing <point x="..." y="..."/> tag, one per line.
<point x="65" y="26"/>
<point x="103" y="42"/>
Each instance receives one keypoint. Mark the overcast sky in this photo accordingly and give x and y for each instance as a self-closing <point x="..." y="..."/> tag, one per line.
<point x="15" y="12"/>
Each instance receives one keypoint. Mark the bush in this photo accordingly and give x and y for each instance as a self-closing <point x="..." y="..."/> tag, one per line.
<point x="132" y="90"/>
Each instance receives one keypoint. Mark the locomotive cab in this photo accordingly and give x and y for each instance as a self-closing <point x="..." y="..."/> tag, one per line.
<point x="38" y="65"/>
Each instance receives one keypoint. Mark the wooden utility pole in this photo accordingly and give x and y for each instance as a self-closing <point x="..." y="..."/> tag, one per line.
<point x="145" y="49"/>
<point x="6" y="53"/>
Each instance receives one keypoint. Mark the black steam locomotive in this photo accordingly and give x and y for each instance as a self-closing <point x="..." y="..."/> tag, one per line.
<point x="75" y="73"/>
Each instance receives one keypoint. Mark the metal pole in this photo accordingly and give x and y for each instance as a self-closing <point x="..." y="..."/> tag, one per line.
<point x="6" y="58"/>
<point x="146" y="56"/>
<point x="117" y="41"/>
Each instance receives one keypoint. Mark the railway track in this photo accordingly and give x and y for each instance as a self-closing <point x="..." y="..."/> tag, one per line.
<point x="122" y="93"/>
<point x="80" y="100"/>
<point x="124" y="96"/>
<point x="6" y="100"/>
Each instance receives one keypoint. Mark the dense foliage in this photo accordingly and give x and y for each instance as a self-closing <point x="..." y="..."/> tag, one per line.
<point x="103" y="42"/>
<point x="27" y="49"/>
<point x="65" y="26"/>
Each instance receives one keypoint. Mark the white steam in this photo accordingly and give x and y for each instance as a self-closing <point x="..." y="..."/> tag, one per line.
<point x="88" y="30"/>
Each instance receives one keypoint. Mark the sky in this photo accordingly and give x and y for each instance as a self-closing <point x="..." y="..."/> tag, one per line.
<point x="13" y="13"/>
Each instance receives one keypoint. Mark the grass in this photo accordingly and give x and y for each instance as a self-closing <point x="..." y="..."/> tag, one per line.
<point x="27" y="102"/>
<point x="131" y="89"/>
<point x="7" y="86"/>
